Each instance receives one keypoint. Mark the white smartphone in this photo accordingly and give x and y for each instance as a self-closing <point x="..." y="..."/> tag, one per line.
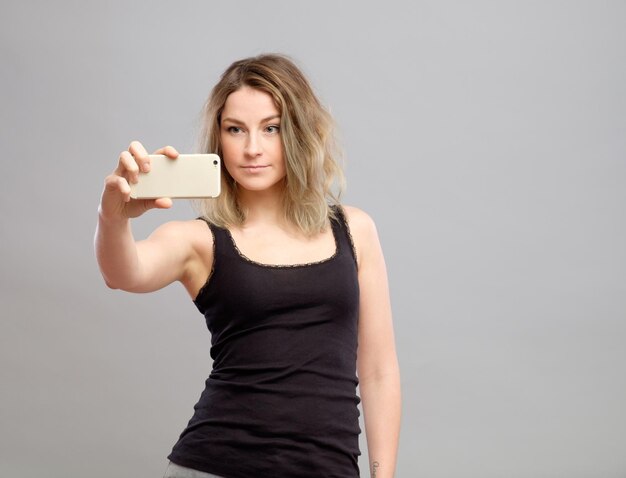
<point x="187" y="176"/>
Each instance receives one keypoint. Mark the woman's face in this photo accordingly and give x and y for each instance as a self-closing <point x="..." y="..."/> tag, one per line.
<point x="250" y="135"/>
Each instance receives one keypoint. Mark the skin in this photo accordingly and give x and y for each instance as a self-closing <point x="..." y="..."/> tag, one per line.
<point x="183" y="251"/>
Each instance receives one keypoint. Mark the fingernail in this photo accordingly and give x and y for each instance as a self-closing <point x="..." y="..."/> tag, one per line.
<point x="146" y="167"/>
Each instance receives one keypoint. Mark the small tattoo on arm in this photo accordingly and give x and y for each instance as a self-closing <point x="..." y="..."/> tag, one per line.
<point x="375" y="466"/>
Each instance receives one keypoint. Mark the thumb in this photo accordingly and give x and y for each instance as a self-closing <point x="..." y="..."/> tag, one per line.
<point x="162" y="203"/>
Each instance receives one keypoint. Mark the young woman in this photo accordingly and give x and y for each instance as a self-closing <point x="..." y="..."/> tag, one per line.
<point x="292" y="285"/>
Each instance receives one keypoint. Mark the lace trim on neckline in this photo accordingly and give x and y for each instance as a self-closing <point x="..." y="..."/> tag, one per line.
<point x="288" y="266"/>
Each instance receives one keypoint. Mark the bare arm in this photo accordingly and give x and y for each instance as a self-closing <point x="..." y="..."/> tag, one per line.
<point x="141" y="266"/>
<point x="377" y="363"/>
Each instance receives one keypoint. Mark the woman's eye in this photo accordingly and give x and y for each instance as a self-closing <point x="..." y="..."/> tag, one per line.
<point x="272" y="129"/>
<point x="234" y="129"/>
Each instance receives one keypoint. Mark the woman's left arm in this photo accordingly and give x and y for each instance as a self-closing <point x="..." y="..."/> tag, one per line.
<point x="377" y="362"/>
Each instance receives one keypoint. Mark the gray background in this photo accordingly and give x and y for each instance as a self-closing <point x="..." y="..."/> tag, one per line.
<point x="487" y="141"/>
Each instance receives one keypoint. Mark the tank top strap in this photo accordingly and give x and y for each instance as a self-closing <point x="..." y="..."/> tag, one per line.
<point x="221" y="240"/>
<point x="342" y="232"/>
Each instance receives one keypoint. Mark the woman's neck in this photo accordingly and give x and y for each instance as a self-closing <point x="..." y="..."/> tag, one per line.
<point x="263" y="207"/>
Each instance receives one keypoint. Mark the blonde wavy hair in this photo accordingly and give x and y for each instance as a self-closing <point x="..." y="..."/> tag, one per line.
<point x="314" y="178"/>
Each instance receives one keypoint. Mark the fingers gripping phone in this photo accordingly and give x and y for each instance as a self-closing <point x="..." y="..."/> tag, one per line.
<point x="187" y="176"/>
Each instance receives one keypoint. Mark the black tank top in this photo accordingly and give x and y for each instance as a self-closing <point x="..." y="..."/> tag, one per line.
<point x="281" y="400"/>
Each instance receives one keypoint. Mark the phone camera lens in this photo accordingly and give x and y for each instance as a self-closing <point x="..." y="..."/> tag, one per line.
<point x="215" y="162"/>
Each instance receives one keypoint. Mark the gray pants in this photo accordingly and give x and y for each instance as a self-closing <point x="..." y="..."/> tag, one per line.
<point x="176" y="471"/>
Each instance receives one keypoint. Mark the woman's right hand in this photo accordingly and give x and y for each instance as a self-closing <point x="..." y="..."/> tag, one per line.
<point x="116" y="203"/>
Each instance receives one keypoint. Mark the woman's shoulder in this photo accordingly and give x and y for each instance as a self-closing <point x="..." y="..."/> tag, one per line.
<point x="183" y="227"/>
<point x="193" y="233"/>
<point x="194" y="240"/>
<point x="359" y="221"/>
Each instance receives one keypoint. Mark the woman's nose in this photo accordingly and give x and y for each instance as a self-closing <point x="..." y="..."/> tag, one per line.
<point x="253" y="145"/>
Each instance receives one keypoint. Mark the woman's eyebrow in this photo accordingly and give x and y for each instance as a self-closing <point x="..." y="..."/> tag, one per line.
<point x="236" y="121"/>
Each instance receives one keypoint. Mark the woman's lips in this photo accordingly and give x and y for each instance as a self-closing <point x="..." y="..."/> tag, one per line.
<point x="254" y="167"/>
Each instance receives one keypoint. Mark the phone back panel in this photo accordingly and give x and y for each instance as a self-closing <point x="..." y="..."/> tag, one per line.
<point x="188" y="176"/>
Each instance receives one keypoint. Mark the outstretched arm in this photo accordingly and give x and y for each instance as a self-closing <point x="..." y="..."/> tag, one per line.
<point x="377" y="363"/>
<point x="141" y="266"/>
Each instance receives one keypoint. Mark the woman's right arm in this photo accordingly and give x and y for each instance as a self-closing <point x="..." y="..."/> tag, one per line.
<point x="142" y="266"/>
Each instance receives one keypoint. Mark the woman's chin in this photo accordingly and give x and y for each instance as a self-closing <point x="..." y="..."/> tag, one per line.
<point x="260" y="186"/>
